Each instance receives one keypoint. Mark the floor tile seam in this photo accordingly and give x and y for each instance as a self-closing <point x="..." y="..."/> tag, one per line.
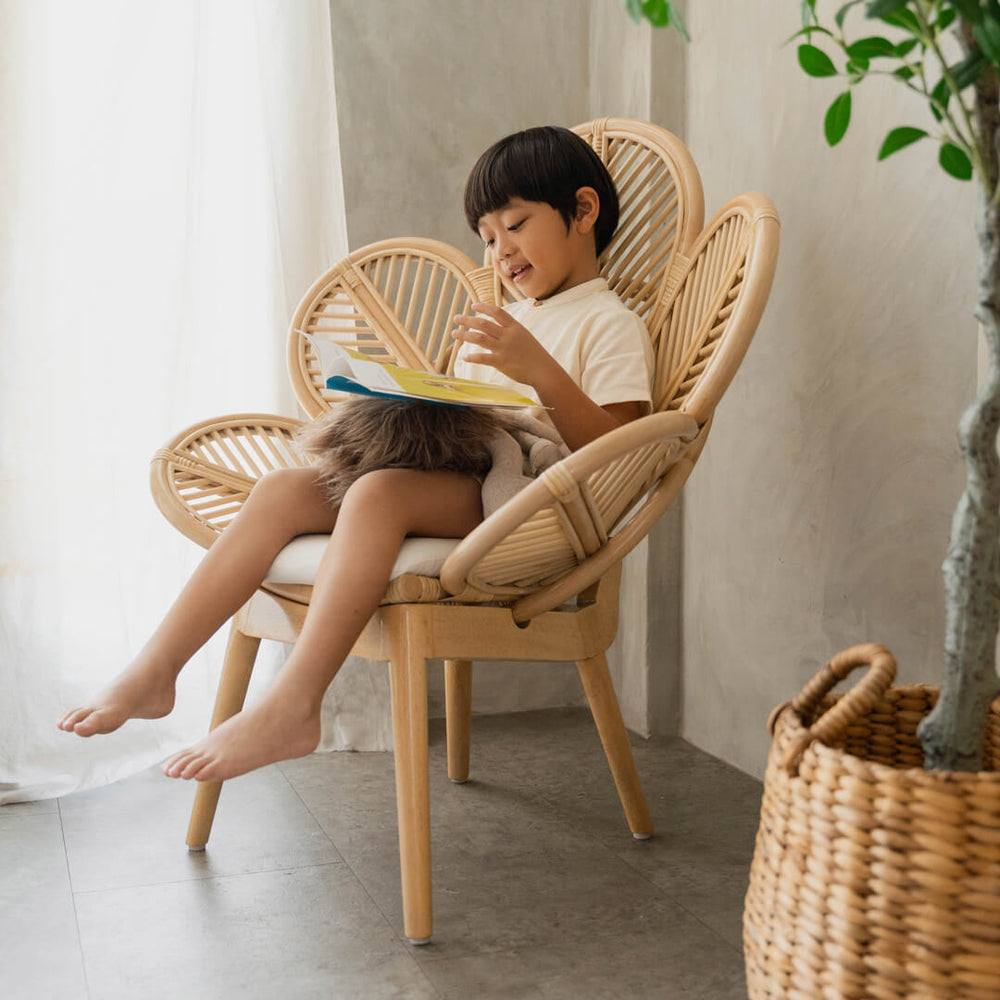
<point x="673" y="899"/>
<point x="341" y="863"/>
<point x="361" y="882"/>
<point x="602" y="936"/>
<point x="595" y="841"/>
<point x="720" y="938"/>
<point x="72" y="895"/>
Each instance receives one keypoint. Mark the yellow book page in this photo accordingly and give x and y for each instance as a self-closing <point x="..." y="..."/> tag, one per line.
<point x="439" y="388"/>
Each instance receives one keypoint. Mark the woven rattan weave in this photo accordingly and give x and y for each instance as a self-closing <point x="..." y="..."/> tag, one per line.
<point x="872" y="878"/>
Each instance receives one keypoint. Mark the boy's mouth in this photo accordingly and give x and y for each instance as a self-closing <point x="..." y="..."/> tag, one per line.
<point x="516" y="272"/>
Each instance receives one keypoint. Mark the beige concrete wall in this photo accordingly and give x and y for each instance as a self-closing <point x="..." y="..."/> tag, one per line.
<point x="423" y="87"/>
<point x="818" y="515"/>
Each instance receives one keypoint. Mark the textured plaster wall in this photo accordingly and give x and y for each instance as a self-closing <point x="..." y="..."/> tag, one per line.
<point x="423" y="87"/>
<point x="818" y="515"/>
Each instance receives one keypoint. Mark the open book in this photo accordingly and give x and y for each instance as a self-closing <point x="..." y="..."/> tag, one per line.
<point x="350" y="371"/>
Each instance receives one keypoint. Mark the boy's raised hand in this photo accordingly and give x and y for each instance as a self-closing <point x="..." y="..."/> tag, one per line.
<point x="505" y="344"/>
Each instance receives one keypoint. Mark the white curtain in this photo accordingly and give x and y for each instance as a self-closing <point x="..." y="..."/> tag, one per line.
<point x="169" y="187"/>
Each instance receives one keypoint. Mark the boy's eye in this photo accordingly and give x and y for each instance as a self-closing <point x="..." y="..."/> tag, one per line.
<point x="515" y="227"/>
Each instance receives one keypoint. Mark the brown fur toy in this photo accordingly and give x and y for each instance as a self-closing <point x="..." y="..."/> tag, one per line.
<point x="363" y="434"/>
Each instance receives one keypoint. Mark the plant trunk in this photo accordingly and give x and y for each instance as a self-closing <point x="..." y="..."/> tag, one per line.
<point x="952" y="735"/>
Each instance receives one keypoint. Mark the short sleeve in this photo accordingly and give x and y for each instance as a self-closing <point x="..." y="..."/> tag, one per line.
<point x="616" y="359"/>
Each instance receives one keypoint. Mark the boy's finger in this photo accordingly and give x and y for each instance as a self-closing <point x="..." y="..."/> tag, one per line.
<point x="480" y="359"/>
<point x="474" y="337"/>
<point x="490" y="310"/>
<point x="486" y="326"/>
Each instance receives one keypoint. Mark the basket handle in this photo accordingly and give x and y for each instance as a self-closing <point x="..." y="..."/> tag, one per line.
<point x="832" y="724"/>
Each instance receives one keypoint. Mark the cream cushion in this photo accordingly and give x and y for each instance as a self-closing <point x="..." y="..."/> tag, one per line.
<point x="298" y="561"/>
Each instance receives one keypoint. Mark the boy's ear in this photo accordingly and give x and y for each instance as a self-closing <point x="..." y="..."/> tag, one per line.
<point x="588" y="208"/>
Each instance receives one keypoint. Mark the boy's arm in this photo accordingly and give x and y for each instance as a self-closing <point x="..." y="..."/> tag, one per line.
<point x="515" y="352"/>
<point x="577" y="417"/>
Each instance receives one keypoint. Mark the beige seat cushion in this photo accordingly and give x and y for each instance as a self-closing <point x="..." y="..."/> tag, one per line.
<point x="298" y="561"/>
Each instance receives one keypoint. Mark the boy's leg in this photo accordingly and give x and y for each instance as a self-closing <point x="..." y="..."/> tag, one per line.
<point x="284" y="504"/>
<point x="378" y="512"/>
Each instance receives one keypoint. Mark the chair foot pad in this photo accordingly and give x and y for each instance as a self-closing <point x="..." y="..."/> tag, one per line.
<point x="194" y="850"/>
<point x="458" y="781"/>
<point x="418" y="942"/>
<point x="642" y="836"/>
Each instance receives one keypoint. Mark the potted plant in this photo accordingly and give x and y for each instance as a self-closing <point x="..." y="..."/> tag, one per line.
<point x="877" y="867"/>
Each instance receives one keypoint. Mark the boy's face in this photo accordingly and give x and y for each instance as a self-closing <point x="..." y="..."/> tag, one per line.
<point x="533" y="248"/>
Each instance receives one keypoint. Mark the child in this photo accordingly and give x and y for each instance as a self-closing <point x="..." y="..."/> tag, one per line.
<point x="546" y="208"/>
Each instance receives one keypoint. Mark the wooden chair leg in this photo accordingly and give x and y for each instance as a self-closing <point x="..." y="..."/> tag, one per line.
<point x="607" y="715"/>
<point x="241" y="652"/>
<point x="458" y="711"/>
<point x="409" y="723"/>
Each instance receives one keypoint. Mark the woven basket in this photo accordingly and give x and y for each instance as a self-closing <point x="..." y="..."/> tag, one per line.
<point x="871" y="877"/>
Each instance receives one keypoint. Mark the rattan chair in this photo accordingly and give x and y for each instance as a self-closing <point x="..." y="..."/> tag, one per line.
<point x="537" y="580"/>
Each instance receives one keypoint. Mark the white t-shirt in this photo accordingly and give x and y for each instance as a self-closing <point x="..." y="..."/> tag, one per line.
<point x="603" y="346"/>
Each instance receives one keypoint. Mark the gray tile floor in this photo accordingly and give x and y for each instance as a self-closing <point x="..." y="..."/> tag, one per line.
<point x="539" y="890"/>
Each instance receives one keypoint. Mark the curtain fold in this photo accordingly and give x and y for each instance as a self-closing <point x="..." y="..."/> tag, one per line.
<point x="169" y="186"/>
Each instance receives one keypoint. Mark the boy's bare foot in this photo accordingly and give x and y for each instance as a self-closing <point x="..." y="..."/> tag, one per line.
<point x="265" y="733"/>
<point x="139" y="692"/>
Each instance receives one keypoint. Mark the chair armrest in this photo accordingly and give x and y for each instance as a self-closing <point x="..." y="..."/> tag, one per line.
<point x="201" y="477"/>
<point x="557" y="536"/>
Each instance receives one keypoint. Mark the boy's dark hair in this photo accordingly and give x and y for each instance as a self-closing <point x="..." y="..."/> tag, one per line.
<point x="546" y="164"/>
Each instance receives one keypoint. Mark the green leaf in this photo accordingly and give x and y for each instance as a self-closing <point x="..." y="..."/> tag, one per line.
<point x="871" y="48"/>
<point x="815" y="61"/>
<point x="656" y="12"/>
<point x="945" y="20"/>
<point x="906" y="20"/>
<point x="838" y="117"/>
<point x="987" y="35"/>
<point x="857" y="67"/>
<point x="808" y="12"/>
<point x="969" y="9"/>
<point x="955" y="162"/>
<point x="905" y="47"/>
<point x="941" y="95"/>
<point x="899" y="138"/>
<point x="879" y="8"/>
<point x="808" y="33"/>
<point x="677" y="21"/>
<point x="634" y="9"/>
<point x="842" y="13"/>
<point x="905" y="73"/>
<point x="969" y="70"/>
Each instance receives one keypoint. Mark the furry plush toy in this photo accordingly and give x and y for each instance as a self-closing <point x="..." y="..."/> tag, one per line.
<point x="362" y="434"/>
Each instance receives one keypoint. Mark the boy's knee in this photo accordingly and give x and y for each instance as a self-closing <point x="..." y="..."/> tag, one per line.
<point x="385" y="494"/>
<point x="375" y="488"/>
<point x="284" y="485"/>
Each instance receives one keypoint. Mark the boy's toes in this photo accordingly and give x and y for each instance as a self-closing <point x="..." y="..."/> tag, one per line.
<point x="92" y="723"/>
<point x="186" y="764"/>
<point x="172" y="768"/>
<point x="69" y="720"/>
